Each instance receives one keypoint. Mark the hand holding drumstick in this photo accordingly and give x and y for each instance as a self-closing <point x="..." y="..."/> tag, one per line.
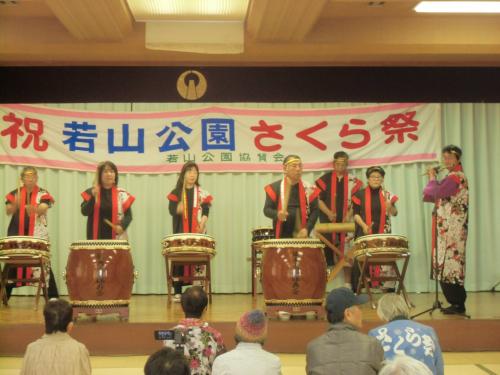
<point x="117" y="228"/>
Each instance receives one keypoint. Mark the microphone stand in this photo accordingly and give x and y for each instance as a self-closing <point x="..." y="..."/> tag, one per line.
<point x="437" y="305"/>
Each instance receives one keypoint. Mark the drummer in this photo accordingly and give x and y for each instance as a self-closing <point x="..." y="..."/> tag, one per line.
<point x="189" y="206"/>
<point x="28" y="206"/>
<point x="337" y="188"/>
<point x="291" y="202"/>
<point x="107" y="207"/>
<point x="373" y="207"/>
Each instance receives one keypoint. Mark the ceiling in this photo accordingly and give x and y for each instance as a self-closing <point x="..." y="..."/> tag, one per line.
<point x="276" y="33"/>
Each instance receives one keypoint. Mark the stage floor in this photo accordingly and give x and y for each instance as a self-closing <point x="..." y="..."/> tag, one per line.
<point x="20" y="324"/>
<point x="229" y="307"/>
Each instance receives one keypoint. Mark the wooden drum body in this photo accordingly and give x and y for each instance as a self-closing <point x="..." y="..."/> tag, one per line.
<point x="32" y="253"/>
<point x="259" y="234"/>
<point x="24" y="245"/>
<point x="379" y="244"/>
<point x="193" y="251"/>
<point x="293" y="275"/>
<point x="188" y="243"/>
<point x="100" y="276"/>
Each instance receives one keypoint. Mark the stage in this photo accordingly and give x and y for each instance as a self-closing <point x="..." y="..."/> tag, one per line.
<point x="21" y="324"/>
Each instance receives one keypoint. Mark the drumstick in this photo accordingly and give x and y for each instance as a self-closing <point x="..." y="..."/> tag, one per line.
<point x="386" y="197"/>
<point x="19" y="182"/>
<point x="109" y="223"/>
<point x="95" y="185"/>
<point x="335" y="227"/>
<point x="184" y="198"/>
<point x="287" y="195"/>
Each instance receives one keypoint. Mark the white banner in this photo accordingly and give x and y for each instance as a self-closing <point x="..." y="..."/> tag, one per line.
<point x="219" y="139"/>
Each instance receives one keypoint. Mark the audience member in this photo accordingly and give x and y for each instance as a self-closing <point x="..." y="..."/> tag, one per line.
<point x="404" y="365"/>
<point x="404" y="336"/>
<point x="56" y="352"/>
<point x="167" y="361"/>
<point x="343" y="349"/>
<point x="248" y="358"/>
<point x="201" y="342"/>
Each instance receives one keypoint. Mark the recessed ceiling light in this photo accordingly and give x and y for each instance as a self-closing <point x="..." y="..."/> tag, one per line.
<point x="458" y="7"/>
<point x="376" y="4"/>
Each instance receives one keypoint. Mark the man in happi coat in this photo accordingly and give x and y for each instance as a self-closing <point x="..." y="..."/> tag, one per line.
<point x="291" y="202"/>
<point x="337" y="188"/>
<point x="28" y="206"/>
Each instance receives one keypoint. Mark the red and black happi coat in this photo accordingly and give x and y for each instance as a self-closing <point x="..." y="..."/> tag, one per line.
<point x="24" y="223"/>
<point x="370" y="204"/>
<point x="113" y="205"/>
<point x="303" y="197"/>
<point x="196" y="204"/>
<point x="337" y="194"/>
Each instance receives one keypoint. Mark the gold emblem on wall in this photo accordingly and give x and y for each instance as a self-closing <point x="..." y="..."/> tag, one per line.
<point x="191" y="85"/>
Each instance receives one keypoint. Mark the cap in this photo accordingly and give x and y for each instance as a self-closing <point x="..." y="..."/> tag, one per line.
<point x="340" y="299"/>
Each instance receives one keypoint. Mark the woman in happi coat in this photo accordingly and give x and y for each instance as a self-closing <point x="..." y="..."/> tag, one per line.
<point x="189" y="206"/>
<point x="373" y="207"/>
<point x="107" y="206"/>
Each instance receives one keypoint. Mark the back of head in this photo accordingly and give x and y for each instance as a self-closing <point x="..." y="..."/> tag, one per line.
<point x="251" y="327"/>
<point x="392" y="306"/>
<point x="339" y="300"/>
<point x="404" y="365"/>
<point x="167" y="361"/>
<point x="193" y="301"/>
<point x="58" y="315"/>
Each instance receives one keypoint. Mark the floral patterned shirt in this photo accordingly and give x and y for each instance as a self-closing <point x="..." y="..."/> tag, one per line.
<point x="203" y="344"/>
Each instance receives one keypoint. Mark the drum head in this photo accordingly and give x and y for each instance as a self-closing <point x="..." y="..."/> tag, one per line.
<point x="100" y="245"/>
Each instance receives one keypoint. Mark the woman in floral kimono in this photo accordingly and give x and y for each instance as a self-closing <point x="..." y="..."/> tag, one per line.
<point x="449" y="234"/>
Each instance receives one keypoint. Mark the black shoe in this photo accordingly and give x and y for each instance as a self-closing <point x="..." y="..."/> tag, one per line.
<point x="454" y="310"/>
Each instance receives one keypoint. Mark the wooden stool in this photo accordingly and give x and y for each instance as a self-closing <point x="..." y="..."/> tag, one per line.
<point x="24" y="260"/>
<point x="188" y="259"/>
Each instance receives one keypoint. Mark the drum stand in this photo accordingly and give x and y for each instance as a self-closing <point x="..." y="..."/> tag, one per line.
<point x="256" y="267"/>
<point x="494" y="288"/>
<point x="338" y="228"/>
<point x="341" y="259"/>
<point x="188" y="259"/>
<point x="24" y="260"/>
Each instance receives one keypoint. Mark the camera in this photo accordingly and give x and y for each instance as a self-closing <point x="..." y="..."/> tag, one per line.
<point x="165" y="334"/>
<point x="178" y="336"/>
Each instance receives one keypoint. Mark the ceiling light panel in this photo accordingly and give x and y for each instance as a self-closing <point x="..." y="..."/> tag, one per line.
<point x="149" y="10"/>
<point x="488" y="7"/>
